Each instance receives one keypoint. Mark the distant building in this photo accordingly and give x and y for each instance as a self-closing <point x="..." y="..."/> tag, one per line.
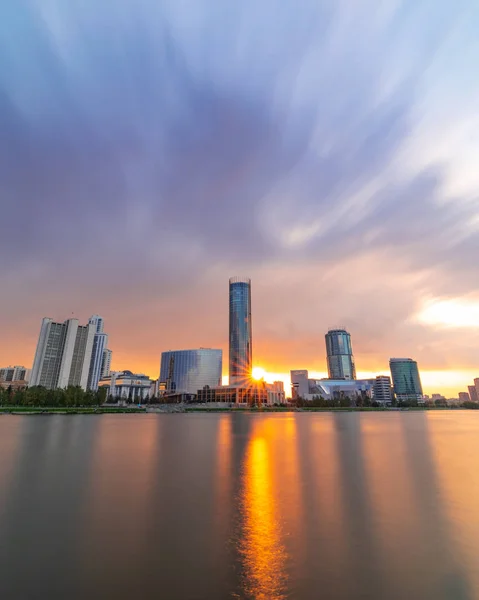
<point x="339" y="354"/>
<point x="476" y="385"/>
<point x="256" y="394"/>
<point x="240" y="333"/>
<point x="63" y="354"/>
<point x="17" y="373"/>
<point x="464" y="397"/>
<point x="406" y="381"/>
<point x="106" y="363"/>
<point x="382" y="390"/>
<point x="125" y="385"/>
<point x="473" y="393"/>
<point x="100" y="342"/>
<point x="329" y="389"/>
<point x="187" y="371"/>
<point x="299" y="383"/>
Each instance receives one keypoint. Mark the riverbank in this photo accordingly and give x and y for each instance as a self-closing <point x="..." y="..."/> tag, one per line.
<point x="61" y="410"/>
<point x="180" y="408"/>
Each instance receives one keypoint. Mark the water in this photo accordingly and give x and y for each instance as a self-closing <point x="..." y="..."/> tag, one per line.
<point x="210" y="506"/>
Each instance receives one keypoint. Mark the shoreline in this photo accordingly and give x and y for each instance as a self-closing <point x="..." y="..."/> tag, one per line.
<point x="179" y="409"/>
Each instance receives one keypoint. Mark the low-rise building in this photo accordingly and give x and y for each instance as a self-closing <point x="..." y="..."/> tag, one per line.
<point x="256" y="393"/>
<point x="329" y="389"/>
<point x="125" y="385"/>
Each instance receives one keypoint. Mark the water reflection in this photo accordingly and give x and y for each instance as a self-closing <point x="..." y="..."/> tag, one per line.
<point x="247" y="506"/>
<point x="454" y="439"/>
<point x="261" y="549"/>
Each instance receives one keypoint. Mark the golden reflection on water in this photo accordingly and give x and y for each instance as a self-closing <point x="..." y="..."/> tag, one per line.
<point x="263" y="554"/>
<point x="223" y="479"/>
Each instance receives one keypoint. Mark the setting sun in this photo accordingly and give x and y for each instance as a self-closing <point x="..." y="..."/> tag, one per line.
<point x="258" y="373"/>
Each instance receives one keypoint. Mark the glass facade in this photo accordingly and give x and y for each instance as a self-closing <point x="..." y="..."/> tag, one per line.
<point x="405" y="377"/>
<point x="187" y="371"/>
<point x="240" y="334"/>
<point x="339" y="353"/>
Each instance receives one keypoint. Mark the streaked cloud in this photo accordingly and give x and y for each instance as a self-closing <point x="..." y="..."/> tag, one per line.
<point x="151" y="150"/>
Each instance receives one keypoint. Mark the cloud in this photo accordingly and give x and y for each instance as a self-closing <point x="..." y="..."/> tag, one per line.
<point x="150" y="151"/>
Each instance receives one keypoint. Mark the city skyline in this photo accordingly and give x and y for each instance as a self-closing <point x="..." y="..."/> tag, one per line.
<point x="182" y="365"/>
<point x="328" y="153"/>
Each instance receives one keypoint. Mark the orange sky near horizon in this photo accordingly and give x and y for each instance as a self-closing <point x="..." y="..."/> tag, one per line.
<point x="448" y="381"/>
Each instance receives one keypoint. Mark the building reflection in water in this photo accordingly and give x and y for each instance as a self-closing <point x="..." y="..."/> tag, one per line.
<point x="454" y="441"/>
<point x="262" y="552"/>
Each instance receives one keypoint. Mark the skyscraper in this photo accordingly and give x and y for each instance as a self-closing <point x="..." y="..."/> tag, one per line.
<point x="240" y="334"/>
<point x="106" y="363"/>
<point x="406" y="380"/>
<point x="100" y="342"/>
<point x="63" y="354"/>
<point x="340" y="355"/>
<point x="187" y="371"/>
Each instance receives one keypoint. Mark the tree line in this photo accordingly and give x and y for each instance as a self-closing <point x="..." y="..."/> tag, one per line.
<point x="41" y="396"/>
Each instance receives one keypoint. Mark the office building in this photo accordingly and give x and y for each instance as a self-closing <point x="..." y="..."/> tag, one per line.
<point x="240" y="332"/>
<point x="464" y="397"/>
<point x="187" y="371"/>
<point x="106" y="363"/>
<point x="405" y="378"/>
<point x="299" y="383"/>
<point x="382" y="390"/>
<point x="63" y="354"/>
<point x="127" y="386"/>
<point x="100" y="342"/>
<point x="339" y="353"/>
<point x="473" y="393"/>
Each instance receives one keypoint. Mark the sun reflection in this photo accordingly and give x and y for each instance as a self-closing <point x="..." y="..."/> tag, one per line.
<point x="261" y="548"/>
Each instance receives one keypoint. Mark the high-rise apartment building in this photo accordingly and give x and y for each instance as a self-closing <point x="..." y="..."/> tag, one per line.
<point x="464" y="397"/>
<point x="382" y="389"/>
<point x="106" y="363"/>
<point x="406" y="380"/>
<point x="63" y="354"/>
<point x="187" y="371"/>
<point x="100" y="342"/>
<point x="339" y="354"/>
<point x="15" y="373"/>
<point x="240" y="333"/>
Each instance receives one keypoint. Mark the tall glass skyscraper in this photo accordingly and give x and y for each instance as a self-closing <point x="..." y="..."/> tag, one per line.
<point x="187" y="371"/>
<point x="406" y="380"/>
<point x="340" y="355"/>
<point x="240" y="340"/>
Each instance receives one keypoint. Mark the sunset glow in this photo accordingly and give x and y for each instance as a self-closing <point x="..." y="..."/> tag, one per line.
<point x="182" y="148"/>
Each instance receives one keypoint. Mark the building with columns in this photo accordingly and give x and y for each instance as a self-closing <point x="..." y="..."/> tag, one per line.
<point x="127" y="386"/>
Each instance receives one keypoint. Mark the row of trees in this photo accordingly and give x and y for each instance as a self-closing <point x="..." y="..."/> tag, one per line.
<point x="40" y="396"/>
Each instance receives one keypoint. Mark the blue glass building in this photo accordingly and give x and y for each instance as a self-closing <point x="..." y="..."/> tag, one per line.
<point x="339" y="353"/>
<point x="187" y="371"/>
<point x="406" y="380"/>
<point x="240" y="338"/>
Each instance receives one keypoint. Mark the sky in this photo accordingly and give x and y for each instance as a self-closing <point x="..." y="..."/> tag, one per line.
<point x="326" y="149"/>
